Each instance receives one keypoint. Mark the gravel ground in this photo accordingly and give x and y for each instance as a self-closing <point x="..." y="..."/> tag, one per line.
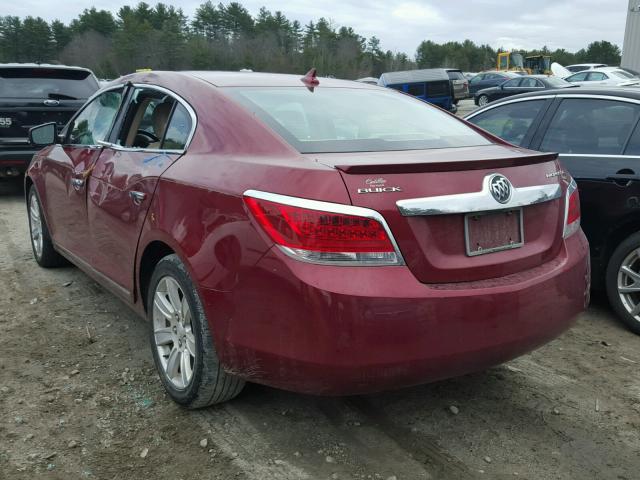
<point x="79" y="398"/>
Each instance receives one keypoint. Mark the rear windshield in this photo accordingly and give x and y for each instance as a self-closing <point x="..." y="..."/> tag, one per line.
<point x="48" y="83"/>
<point x="354" y="120"/>
<point x="455" y="75"/>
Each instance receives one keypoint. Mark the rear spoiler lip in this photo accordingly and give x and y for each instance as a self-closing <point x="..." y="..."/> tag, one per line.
<point x="447" y="166"/>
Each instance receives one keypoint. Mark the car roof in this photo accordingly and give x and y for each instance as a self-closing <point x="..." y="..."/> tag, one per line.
<point x="255" y="79"/>
<point x="48" y="66"/>
<point x="586" y="64"/>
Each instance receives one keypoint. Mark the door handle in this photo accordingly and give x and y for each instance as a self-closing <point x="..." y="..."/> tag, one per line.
<point x="137" y="197"/>
<point x="77" y="183"/>
<point x="629" y="177"/>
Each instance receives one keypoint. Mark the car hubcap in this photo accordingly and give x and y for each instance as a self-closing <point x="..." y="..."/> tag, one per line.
<point x="483" y="101"/>
<point x="173" y="332"/>
<point x="629" y="284"/>
<point x="35" y="222"/>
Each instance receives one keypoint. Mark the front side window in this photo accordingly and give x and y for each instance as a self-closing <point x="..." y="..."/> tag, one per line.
<point x="94" y="122"/>
<point x="510" y="122"/>
<point x="354" y="120"/>
<point x="590" y="127"/>
<point x="476" y="79"/>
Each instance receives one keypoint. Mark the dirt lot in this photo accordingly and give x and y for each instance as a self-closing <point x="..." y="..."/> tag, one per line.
<point x="79" y="398"/>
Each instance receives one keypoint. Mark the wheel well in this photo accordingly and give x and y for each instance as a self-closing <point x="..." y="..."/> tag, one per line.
<point x="153" y="253"/>
<point x="617" y="236"/>
<point x="27" y="185"/>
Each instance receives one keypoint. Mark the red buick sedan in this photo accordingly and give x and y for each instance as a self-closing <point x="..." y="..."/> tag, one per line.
<point x="327" y="237"/>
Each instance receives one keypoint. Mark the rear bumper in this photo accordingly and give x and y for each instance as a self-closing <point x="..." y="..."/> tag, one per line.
<point x="350" y="330"/>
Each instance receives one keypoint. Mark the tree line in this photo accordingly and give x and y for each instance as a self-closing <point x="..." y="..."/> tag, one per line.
<point x="228" y="37"/>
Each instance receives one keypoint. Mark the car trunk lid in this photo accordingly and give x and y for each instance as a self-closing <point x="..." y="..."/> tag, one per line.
<point x="448" y="241"/>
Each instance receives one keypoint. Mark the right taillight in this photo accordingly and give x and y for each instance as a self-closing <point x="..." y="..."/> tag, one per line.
<point x="571" y="210"/>
<point x="323" y="232"/>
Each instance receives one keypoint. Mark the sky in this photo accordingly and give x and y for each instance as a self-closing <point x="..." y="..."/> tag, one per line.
<point x="402" y="25"/>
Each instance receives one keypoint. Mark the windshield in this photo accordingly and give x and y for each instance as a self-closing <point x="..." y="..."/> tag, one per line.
<point x="516" y="60"/>
<point x="622" y="74"/>
<point x="354" y="120"/>
<point x="47" y="83"/>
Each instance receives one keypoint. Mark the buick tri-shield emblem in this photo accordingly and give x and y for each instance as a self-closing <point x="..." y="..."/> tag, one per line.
<point x="500" y="187"/>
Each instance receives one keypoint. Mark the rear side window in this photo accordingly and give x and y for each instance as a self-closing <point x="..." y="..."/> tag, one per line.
<point x="477" y="78"/>
<point x="94" y="122"/>
<point x="634" y="143"/>
<point x="47" y="83"/>
<point x="416" y="89"/>
<point x="590" y="127"/>
<point x="512" y="83"/>
<point x="531" y="83"/>
<point x="578" y="77"/>
<point x="510" y="122"/>
<point x="354" y="119"/>
<point x="597" y="77"/>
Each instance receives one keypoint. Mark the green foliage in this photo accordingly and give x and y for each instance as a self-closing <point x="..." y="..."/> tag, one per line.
<point x="227" y="37"/>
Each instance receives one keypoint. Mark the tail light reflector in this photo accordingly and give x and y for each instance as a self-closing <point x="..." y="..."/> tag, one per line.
<point x="322" y="232"/>
<point x="572" y="210"/>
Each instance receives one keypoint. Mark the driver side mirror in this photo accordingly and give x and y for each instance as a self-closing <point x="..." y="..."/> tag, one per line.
<point x="43" y="135"/>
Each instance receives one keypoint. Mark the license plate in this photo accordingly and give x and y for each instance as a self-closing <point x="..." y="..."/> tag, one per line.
<point x="5" y="122"/>
<point x="490" y="232"/>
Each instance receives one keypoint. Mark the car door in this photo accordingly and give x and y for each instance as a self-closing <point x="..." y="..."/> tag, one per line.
<point x="591" y="136"/>
<point x="508" y="88"/>
<point x="515" y="122"/>
<point x="598" y="78"/>
<point x="475" y="83"/>
<point x="578" y="78"/>
<point x="153" y="133"/>
<point x="67" y="166"/>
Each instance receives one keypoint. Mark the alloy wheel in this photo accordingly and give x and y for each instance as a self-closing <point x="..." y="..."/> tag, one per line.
<point x="483" y="100"/>
<point x="173" y="332"/>
<point x="629" y="283"/>
<point x="35" y="223"/>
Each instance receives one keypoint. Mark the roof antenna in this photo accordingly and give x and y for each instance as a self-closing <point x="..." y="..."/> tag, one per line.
<point x="310" y="79"/>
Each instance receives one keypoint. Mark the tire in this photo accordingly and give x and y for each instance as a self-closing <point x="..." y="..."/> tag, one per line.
<point x="41" y="243"/>
<point x="181" y="343"/>
<point x="483" y="100"/>
<point x="626" y="304"/>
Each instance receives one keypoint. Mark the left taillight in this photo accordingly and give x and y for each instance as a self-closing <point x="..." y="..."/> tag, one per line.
<point x="571" y="210"/>
<point x="323" y="232"/>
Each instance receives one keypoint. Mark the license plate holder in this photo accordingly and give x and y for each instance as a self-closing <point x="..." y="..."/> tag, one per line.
<point x="495" y="231"/>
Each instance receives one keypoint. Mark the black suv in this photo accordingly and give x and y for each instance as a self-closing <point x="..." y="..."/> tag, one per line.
<point x="32" y="94"/>
<point x="596" y="131"/>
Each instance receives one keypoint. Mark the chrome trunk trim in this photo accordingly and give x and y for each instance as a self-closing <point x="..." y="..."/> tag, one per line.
<point x="481" y="201"/>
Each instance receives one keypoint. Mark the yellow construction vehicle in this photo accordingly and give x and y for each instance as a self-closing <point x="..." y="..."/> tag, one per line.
<point x="510" y="62"/>
<point x="538" y="65"/>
